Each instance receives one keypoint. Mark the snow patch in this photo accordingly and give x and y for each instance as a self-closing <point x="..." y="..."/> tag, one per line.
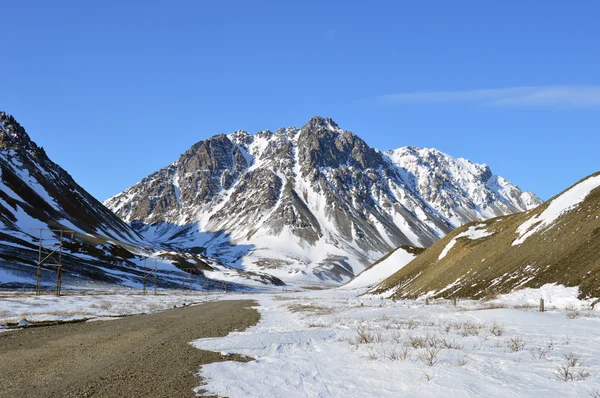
<point x="472" y="233"/>
<point x="559" y="206"/>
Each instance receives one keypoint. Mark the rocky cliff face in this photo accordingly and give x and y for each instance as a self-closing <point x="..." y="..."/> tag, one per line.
<point x="315" y="202"/>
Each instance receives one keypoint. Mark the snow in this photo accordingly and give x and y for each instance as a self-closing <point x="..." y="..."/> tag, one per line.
<point x="472" y="233"/>
<point x="557" y="207"/>
<point x="554" y="295"/>
<point x="380" y="271"/>
<point x="306" y="345"/>
<point x="9" y="277"/>
<point x="16" y="306"/>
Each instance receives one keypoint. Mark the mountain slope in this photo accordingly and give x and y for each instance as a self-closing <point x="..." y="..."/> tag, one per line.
<point x="384" y="267"/>
<point x="557" y="242"/>
<point x="310" y="203"/>
<point x="37" y="193"/>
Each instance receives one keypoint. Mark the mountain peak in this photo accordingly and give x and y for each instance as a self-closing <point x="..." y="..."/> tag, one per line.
<point x="318" y="121"/>
<point x="14" y="137"/>
<point x="316" y="201"/>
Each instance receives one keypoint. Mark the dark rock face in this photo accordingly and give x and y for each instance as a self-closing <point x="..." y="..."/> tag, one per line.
<point x="22" y="158"/>
<point x="313" y="202"/>
<point x="37" y="193"/>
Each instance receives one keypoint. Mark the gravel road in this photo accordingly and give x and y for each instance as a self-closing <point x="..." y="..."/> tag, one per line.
<point x="138" y="356"/>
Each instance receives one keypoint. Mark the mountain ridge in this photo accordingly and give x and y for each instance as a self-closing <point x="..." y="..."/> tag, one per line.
<point x="335" y="203"/>
<point x="99" y="248"/>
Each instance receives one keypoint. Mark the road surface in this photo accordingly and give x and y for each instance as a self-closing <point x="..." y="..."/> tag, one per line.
<point x="137" y="356"/>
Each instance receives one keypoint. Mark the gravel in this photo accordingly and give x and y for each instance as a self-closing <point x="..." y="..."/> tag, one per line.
<point x="137" y="356"/>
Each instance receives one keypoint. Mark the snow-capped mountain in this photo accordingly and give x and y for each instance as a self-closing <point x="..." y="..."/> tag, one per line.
<point x="308" y="203"/>
<point x="36" y="193"/>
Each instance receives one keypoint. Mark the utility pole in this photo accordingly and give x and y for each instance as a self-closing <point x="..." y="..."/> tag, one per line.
<point x="58" y="250"/>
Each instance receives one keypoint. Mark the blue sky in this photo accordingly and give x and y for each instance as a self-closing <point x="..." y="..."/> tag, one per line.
<point x="116" y="90"/>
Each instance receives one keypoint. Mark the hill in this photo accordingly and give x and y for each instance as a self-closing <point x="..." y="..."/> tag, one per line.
<point x="557" y="242"/>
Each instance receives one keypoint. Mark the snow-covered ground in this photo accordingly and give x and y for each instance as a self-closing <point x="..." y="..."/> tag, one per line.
<point x="336" y="343"/>
<point x="381" y="270"/>
<point x="17" y="307"/>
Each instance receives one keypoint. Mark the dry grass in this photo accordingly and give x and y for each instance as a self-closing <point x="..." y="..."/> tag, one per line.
<point x="409" y="324"/>
<point x="319" y="325"/>
<point x="526" y="307"/>
<point x="316" y="309"/>
<point x="105" y="305"/>
<point x="450" y="345"/>
<point x="571" y="369"/>
<point x="542" y="352"/>
<point x="594" y="393"/>
<point x="515" y="344"/>
<point x="397" y="354"/>
<point x="466" y="329"/>
<point x="573" y="311"/>
<point x="67" y="313"/>
<point x="315" y="287"/>
<point x="285" y="298"/>
<point x="488" y="306"/>
<point x="367" y="335"/>
<point x="417" y="341"/>
<point x="496" y="329"/>
<point x="430" y="356"/>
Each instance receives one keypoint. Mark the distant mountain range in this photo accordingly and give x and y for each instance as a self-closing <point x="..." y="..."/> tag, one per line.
<point x="557" y="242"/>
<point x="315" y="203"/>
<point x="36" y="193"/>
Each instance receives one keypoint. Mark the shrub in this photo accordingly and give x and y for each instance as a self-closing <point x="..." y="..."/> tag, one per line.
<point x="516" y="344"/>
<point x="430" y="356"/>
<point x="496" y="329"/>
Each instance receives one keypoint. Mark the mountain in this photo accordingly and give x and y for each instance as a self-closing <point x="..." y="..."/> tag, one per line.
<point x="557" y="242"/>
<point x="312" y="203"/>
<point x="384" y="267"/>
<point x="36" y="193"/>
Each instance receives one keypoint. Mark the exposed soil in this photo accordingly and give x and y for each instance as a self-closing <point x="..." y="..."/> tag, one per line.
<point x="137" y="356"/>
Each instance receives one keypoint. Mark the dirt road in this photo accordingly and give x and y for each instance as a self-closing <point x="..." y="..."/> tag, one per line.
<point x="138" y="356"/>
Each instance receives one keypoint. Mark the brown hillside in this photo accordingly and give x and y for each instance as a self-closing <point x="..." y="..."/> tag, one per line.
<point x="566" y="252"/>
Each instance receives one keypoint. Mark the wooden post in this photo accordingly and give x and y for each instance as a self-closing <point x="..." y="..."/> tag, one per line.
<point x="59" y="268"/>
<point x="145" y="275"/>
<point x="155" y="269"/>
<point x="541" y="305"/>
<point x="38" y="281"/>
<point x="454" y="301"/>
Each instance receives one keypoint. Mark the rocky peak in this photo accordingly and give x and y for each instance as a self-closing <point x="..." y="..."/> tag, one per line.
<point x="241" y="138"/>
<point x="317" y="122"/>
<point x="322" y="143"/>
<point x="13" y="135"/>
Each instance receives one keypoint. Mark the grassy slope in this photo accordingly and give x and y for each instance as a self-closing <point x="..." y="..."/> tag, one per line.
<point x="567" y="253"/>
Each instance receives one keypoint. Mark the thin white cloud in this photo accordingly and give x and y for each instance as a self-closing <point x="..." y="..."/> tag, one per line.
<point x="543" y="96"/>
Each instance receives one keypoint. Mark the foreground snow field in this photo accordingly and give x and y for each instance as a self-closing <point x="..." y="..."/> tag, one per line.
<point x="335" y="343"/>
<point x="338" y="343"/>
